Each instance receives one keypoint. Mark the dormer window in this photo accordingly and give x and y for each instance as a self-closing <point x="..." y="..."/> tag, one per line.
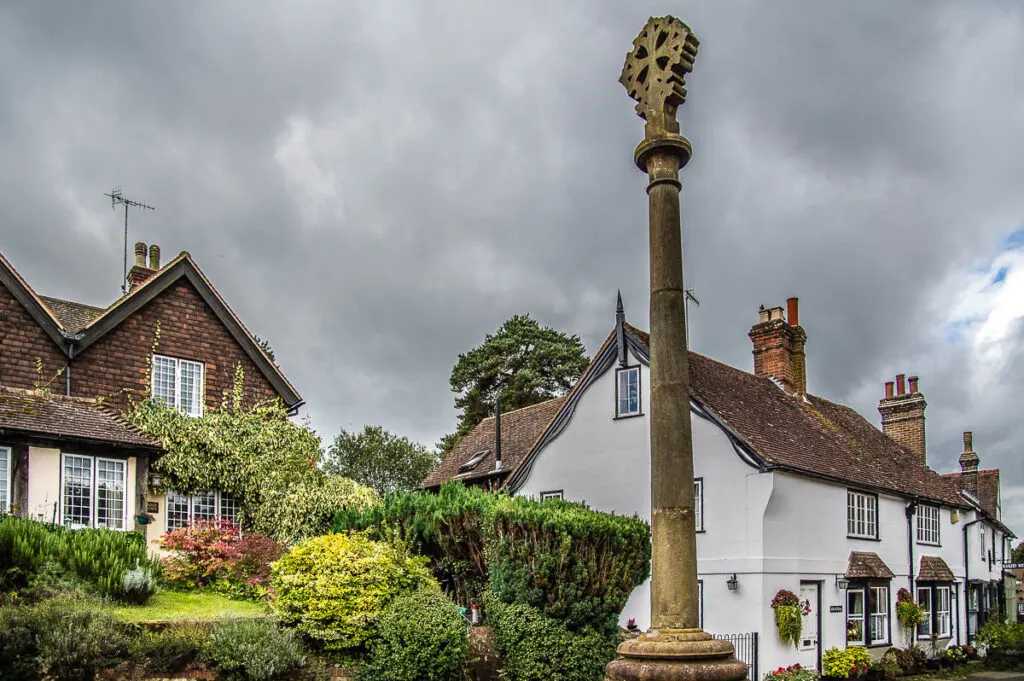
<point x="627" y="392"/>
<point x="473" y="462"/>
<point x="178" y="383"/>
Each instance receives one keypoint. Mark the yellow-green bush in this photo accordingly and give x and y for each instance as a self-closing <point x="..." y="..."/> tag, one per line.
<point x="848" y="663"/>
<point x="334" y="588"/>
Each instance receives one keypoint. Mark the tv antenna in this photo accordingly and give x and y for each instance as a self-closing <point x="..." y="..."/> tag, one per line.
<point x="116" y="199"/>
<point x="687" y="297"/>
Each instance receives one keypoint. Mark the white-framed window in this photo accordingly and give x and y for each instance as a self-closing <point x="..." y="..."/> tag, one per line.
<point x="981" y="542"/>
<point x="867" y="616"/>
<point x="552" y="494"/>
<point x="183" y="509"/>
<point x="94" y="492"/>
<point x="698" y="504"/>
<point x="924" y="599"/>
<point x="861" y="515"/>
<point x="5" y="479"/>
<point x="928" y="524"/>
<point x="178" y="383"/>
<point x="878" y="602"/>
<point x="627" y="391"/>
<point x="935" y="601"/>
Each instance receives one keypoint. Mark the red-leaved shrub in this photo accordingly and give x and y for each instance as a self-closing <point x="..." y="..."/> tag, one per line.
<point x="200" y="552"/>
<point x="250" y="559"/>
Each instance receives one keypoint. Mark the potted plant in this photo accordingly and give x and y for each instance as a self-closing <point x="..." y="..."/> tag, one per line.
<point x="789" y="617"/>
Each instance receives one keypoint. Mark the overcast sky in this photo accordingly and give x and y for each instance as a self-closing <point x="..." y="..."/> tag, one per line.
<point x="373" y="186"/>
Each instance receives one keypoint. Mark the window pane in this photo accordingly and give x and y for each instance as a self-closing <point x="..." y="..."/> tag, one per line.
<point x="229" y="508"/>
<point x="204" y="506"/>
<point x="163" y="380"/>
<point x="5" y="484"/>
<point x="855" y="602"/>
<point x="110" y="494"/>
<point x="879" y="613"/>
<point x="177" y="511"/>
<point x="77" y="495"/>
<point x="629" y="391"/>
<point x="190" y="389"/>
<point x="698" y="504"/>
<point x="855" y="617"/>
<point x="924" y="598"/>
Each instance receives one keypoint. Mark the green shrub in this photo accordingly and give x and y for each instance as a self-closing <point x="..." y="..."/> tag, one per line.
<point x="421" y="636"/>
<point x="170" y="650"/>
<point x="74" y="640"/>
<point x="847" y="663"/>
<point x="255" y="650"/>
<point x="99" y="557"/>
<point x="568" y="561"/>
<point x="334" y="588"/>
<point x="1001" y="636"/>
<point x="18" y="649"/>
<point x="538" y="648"/>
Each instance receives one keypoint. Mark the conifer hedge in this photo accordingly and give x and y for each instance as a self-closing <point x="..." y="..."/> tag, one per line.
<point x="564" y="559"/>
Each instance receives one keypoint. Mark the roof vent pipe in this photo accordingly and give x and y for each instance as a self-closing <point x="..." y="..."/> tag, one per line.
<point x="497" y="432"/>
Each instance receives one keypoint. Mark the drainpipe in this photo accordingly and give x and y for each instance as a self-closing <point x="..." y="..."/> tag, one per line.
<point x="911" y="511"/>
<point x="67" y="376"/>
<point x="497" y="432"/>
<point x="967" y="574"/>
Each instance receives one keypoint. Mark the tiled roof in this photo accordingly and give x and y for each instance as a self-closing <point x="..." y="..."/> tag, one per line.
<point x="934" y="569"/>
<point x="40" y="415"/>
<point x="812" y="436"/>
<point x="867" y="565"/>
<point x="519" y="431"/>
<point x="72" y="316"/>
<point x="988" y="489"/>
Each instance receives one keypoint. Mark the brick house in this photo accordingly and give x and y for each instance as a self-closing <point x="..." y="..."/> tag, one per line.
<point x="171" y="337"/>
<point x="791" y="491"/>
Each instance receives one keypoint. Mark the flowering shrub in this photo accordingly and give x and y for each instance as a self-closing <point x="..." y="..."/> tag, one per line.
<point x="850" y="663"/>
<point x="793" y="672"/>
<point x="789" y="617"/>
<point x="956" y="655"/>
<point x="200" y="552"/>
<point x="248" y="564"/>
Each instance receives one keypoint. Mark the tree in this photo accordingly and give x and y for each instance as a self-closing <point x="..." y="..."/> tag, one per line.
<point x="1018" y="553"/>
<point x="523" y="361"/>
<point x="379" y="459"/>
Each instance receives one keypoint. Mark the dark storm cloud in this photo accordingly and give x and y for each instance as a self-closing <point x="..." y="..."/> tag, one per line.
<point x="374" y="186"/>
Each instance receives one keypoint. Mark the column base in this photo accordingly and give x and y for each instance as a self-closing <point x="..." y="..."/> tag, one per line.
<point x="676" y="655"/>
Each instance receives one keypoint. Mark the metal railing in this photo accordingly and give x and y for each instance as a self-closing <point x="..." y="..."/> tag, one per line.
<point x="746" y="650"/>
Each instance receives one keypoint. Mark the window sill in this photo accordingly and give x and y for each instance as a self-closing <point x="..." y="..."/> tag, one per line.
<point x="623" y="417"/>
<point x="853" y="536"/>
<point x="928" y="543"/>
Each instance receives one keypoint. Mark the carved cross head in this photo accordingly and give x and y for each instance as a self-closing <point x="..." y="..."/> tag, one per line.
<point x="655" y="69"/>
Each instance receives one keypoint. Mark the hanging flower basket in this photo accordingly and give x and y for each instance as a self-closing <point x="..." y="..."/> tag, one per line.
<point x="789" y="617"/>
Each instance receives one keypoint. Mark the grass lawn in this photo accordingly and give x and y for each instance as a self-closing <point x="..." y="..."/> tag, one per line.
<point x="177" y="606"/>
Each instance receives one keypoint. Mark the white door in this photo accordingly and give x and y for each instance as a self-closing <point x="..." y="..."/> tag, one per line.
<point x="807" y="650"/>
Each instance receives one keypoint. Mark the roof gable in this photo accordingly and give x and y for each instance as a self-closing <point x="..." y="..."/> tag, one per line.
<point x="33" y="303"/>
<point x="184" y="268"/>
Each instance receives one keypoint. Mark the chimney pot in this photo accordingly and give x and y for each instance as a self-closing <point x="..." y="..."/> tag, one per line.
<point x="154" y="257"/>
<point x="888" y="389"/>
<point x="913" y="384"/>
<point x="901" y="386"/>
<point x="764" y="314"/>
<point x="140" y="254"/>
<point x="968" y="441"/>
<point x="793" y="311"/>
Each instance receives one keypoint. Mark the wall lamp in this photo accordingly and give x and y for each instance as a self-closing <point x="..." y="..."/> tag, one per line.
<point x="842" y="582"/>
<point x="732" y="583"/>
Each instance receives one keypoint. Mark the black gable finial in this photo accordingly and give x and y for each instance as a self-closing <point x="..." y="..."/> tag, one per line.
<point x="620" y="329"/>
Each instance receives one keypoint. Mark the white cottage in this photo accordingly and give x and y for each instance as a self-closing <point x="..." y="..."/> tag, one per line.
<point x="792" y="492"/>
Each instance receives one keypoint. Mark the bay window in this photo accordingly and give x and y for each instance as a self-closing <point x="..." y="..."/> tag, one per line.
<point x="178" y="383"/>
<point x="867" y="615"/>
<point x="184" y="509"/>
<point x="94" y="492"/>
<point x="935" y="602"/>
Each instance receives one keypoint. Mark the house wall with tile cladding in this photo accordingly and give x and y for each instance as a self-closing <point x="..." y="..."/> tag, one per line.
<point x="22" y="342"/>
<point x="118" y="363"/>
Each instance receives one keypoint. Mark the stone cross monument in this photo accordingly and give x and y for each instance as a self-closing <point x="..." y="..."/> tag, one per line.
<point x="674" y="647"/>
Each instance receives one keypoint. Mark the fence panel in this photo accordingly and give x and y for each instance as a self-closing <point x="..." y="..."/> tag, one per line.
<point x="746" y="650"/>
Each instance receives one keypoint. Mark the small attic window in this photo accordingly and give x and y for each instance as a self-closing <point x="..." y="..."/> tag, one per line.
<point x="473" y="461"/>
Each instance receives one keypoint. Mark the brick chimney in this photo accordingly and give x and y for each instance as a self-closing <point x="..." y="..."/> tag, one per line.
<point x="969" y="461"/>
<point x="779" y="347"/>
<point x="139" y="274"/>
<point x="903" y="415"/>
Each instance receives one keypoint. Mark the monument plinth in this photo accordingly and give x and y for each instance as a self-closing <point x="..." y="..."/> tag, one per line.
<point x="675" y="647"/>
